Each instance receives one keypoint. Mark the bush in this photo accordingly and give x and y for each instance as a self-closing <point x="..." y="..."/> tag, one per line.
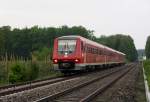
<point x="147" y="70"/>
<point x="42" y="54"/>
<point x="3" y="74"/>
<point x="34" y="71"/>
<point x="18" y="73"/>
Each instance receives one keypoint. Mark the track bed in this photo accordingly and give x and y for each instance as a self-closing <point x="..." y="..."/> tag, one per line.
<point x="112" y="85"/>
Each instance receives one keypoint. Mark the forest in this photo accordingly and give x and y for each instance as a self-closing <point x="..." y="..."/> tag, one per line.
<point x="38" y="41"/>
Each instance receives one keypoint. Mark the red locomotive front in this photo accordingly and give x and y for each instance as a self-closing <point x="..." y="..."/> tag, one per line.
<point x="67" y="54"/>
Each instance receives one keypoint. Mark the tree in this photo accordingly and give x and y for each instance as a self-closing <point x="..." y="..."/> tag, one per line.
<point x="120" y="43"/>
<point x="147" y="48"/>
<point x="2" y="43"/>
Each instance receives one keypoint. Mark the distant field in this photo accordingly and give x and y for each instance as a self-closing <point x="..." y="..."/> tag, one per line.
<point x="147" y="70"/>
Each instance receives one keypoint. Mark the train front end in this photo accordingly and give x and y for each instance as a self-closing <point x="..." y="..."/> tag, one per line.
<point x="67" y="56"/>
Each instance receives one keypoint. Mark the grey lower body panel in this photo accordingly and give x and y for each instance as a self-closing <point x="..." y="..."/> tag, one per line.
<point x="76" y="67"/>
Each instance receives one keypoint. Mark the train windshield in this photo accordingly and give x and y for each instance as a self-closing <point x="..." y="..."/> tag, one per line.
<point x="66" y="46"/>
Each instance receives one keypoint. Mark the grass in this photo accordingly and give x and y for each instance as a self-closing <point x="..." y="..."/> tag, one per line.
<point x="45" y="70"/>
<point x="146" y="64"/>
<point x="140" y="95"/>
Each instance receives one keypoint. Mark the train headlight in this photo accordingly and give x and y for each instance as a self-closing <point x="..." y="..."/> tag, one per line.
<point x="76" y="60"/>
<point x="55" y="60"/>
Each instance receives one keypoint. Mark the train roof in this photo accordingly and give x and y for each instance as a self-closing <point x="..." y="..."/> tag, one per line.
<point x="89" y="41"/>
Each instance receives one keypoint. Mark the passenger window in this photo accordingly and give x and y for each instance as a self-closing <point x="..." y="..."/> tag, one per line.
<point x="99" y="52"/>
<point x="96" y="51"/>
<point x="90" y="50"/>
<point x="82" y="46"/>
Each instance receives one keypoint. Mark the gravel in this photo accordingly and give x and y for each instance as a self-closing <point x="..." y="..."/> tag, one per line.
<point x="34" y="94"/>
<point x="81" y="93"/>
<point x="127" y="89"/>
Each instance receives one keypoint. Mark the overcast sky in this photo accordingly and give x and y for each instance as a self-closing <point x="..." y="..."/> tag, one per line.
<point x="105" y="17"/>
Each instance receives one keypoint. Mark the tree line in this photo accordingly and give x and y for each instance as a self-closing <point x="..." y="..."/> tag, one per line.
<point x="147" y="48"/>
<point x="27" y="41"/>
<point x="122" y="43"/>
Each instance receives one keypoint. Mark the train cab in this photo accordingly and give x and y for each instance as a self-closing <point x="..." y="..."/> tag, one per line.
<point x="67" y="54"/>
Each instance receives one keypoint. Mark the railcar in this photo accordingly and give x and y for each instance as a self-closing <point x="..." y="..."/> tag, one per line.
<point x="76" y="53"/>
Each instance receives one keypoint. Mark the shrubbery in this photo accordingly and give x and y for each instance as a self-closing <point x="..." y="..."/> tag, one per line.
<point x="22" y="70"/>
<point x="43" y="54"/>
<point x="3" y="74"/>
<point x="34" y="71"/>
<point x="147" y="70"/>
<point x="20" y="73"/>
<point x="147" y="48"/>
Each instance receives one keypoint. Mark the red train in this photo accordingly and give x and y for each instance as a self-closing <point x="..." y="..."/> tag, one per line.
<point x="75" y="53"/>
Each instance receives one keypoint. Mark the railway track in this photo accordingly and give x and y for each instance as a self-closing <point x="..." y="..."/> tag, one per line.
<point x="15" y="88"/>
<point x="85" y="91"/>
<point x="10" y="89"/>
<point x="19" y="84"/>
<point x="40" y="89"/>
<point x="104" y="87"/>
<point x="124" y="90"/>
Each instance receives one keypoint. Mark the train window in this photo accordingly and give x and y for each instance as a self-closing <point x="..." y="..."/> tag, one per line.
<point x="99" y="52"/>
<point x="93" y="51"/>
<point x="87" y="49"/>
<point x="105" y="52"/>
<point x="96" y="51"/>
<point x="83" y="49"/>
<point x="90" y="50"/>
<point x="66" y="46"/>
<point x="82" y="46"/>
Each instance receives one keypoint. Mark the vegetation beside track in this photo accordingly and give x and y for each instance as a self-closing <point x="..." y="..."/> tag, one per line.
<point x="147" y="48"/>
<point x="17" y="70"/>
<point x="140" y="95"/>
<point x="21" y="71"/>
<point x="146" y="64"/>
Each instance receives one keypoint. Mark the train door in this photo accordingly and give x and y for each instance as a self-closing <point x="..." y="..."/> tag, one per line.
<point x="83" y="51"/>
